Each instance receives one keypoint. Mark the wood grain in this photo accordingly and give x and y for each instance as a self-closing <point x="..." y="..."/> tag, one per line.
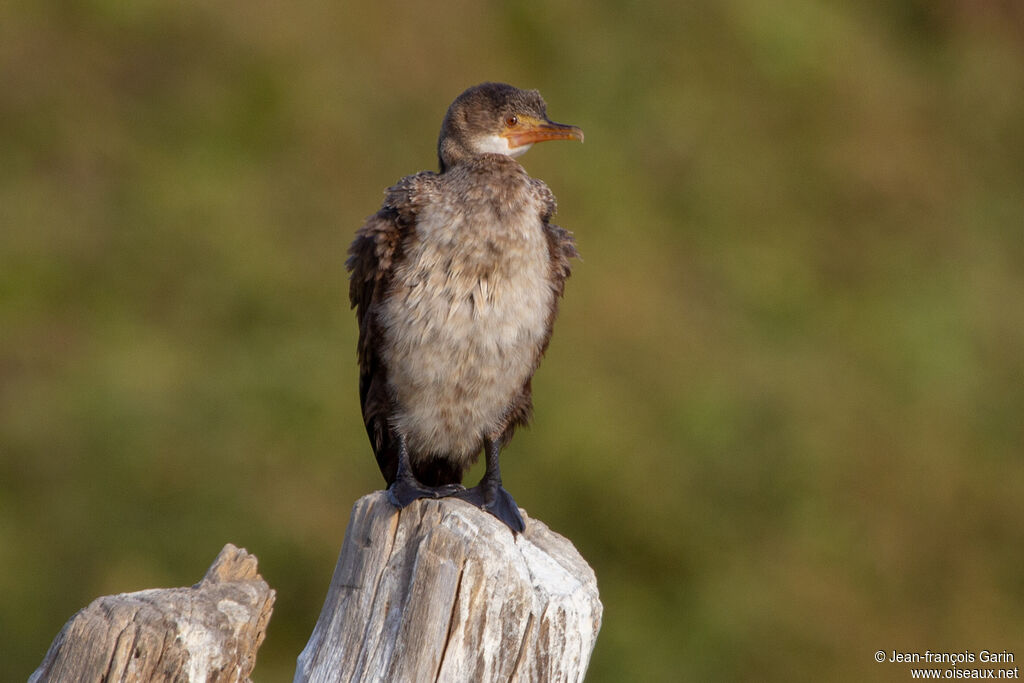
<point x="442" y="591"/>
<point x="209" y="632"/>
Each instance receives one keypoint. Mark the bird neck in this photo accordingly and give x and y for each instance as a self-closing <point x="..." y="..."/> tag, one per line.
<point x="451" y="152"/>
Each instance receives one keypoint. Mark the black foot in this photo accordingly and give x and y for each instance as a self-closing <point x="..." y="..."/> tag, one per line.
<point x="404" y="491"/>
<point x="498" y="502"/>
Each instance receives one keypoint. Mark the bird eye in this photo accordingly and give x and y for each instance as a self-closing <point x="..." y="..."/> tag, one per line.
<point x="511" y="120"/>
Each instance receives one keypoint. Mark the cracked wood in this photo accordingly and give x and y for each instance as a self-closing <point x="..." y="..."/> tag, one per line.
<point x="442" y="591"/>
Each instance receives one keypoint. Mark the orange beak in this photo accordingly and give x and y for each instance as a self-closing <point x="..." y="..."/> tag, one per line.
<point x="529" y="130"/>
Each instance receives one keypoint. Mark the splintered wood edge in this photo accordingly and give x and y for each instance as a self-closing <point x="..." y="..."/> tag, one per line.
<point x="232" y="564"/>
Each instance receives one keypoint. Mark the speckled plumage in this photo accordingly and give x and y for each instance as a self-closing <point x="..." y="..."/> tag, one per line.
<point x="455" y="282"/>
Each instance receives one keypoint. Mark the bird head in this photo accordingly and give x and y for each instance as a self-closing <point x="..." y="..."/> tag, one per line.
<point x="496" y="118"/>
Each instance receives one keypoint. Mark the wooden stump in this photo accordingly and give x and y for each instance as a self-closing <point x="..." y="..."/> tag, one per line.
<point x="442" y="591"/>
<point x="209" y="632"/>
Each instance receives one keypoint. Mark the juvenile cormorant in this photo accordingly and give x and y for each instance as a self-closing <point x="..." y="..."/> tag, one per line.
<point x="456" y="282"/>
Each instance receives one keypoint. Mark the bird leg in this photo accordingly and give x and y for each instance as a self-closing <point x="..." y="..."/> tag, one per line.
<point x="489" y="493"/>
<point x="406" y="487"/>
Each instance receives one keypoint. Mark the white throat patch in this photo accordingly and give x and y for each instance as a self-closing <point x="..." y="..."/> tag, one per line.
<point x="495" y="144"/>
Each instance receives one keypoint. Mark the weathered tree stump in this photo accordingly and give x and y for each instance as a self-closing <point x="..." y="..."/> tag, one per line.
<point x="209" y="632"/>
<point x="442" y="591"/>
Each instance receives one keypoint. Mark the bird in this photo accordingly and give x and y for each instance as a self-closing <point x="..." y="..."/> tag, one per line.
<point x="456" y="282"/>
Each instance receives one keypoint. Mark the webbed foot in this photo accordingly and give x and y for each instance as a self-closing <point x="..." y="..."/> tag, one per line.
<point x="405" y="490"/>
<point x="497" y="501"/>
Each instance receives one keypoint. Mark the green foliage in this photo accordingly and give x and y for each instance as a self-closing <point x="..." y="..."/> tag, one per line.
<point x="781" y="414"/>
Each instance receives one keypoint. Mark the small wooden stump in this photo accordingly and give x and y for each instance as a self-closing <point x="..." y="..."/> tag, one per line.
<point x="443" y="591"/>
<point x="209" y="632"/>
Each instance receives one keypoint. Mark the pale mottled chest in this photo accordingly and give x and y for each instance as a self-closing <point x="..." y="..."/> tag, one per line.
<point x="465" y="319"/>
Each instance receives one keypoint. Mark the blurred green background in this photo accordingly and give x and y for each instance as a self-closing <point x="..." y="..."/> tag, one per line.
<point x="783" y="411"/>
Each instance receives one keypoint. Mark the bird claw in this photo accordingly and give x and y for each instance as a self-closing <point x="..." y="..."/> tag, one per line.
<point x="449" y="490"/>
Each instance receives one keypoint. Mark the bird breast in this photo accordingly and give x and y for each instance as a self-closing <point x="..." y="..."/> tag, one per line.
<point x="464" y="322"/>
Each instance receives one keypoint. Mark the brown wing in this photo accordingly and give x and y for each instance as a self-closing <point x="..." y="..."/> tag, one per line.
<point x="561" y="248"/>
<point x="372" y="257"/>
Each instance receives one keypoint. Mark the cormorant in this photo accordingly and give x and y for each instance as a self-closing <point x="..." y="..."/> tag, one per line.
<point x="456" y="282"/>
